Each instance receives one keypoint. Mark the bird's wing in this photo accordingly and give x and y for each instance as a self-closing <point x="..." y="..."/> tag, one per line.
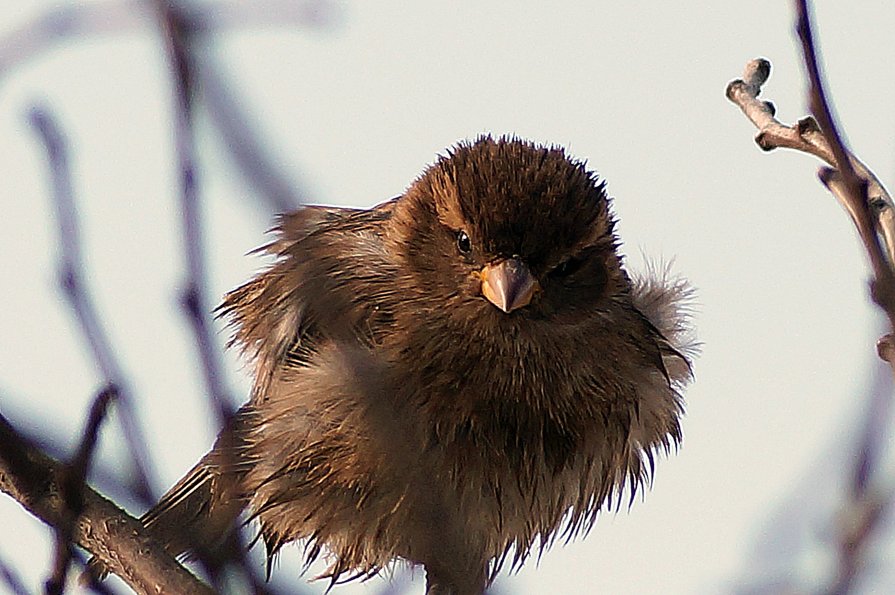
<point x="322" y="286"/>
<point x="666" y="301"/>
<point x="326" y="260"/>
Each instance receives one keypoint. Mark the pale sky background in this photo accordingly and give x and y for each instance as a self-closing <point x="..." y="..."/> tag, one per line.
<point x="355" y="110"/>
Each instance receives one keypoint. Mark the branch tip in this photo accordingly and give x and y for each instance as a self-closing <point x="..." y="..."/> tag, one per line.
<point x="732" y="87"/>
<point x="827" y="176"/>
<point x="764" y="142"/>
<point x="806" y="125"/>
<point x="757" y="73"/>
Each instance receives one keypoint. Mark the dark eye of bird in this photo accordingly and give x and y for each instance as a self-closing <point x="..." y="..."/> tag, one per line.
<point x="464" y="244"/>
<point x="567" y="267"/>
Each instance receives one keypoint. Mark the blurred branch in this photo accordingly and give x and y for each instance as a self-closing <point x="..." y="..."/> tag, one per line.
<point x="38" y="483"/>
<point x="275" y="190"/>
<point x="438" y="522"/>
<point x="115" y="17"/>
<point x="183" y="27"/>
<point x="11" y="579"/>
<point x="56" y="446"/>
<point x="279" y="193"/>
<point x="71" y="276"/>
<point x="72" y="483"/>
<point x="858" y="523"/>
<point x="67" y="22"/>
<point x="179" y="31"/>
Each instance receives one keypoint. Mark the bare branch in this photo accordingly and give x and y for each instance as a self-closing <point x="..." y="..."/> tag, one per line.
<point x="448" y="566"/>
<point x="71" y="278"/>
<point x="37" y="482"/>
<point x="805" y="136"/>
<point x="56" y="446"/>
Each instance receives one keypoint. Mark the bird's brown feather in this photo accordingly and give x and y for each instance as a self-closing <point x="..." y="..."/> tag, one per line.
<point x="392" y="400"/>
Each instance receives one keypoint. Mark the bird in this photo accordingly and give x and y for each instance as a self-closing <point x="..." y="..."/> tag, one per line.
<point x="455" y="378"/>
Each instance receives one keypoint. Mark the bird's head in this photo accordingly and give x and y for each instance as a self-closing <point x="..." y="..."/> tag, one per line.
<point x="509" y="230"/>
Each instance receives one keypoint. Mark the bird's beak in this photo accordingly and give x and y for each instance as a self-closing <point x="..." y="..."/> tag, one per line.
<point x="508" y="284"/>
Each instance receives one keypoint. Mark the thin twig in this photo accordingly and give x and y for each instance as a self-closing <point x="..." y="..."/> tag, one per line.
<point x="106" y="477"/>
<point x="849" y="187"/>
<point x="77" y="294"/>
<point x="805" y="136"/>
<point x="73" y="482"/>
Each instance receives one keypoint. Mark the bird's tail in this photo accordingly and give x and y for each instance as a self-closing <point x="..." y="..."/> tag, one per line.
<point x="198" y="512"/>
<point x="194" y="518"/>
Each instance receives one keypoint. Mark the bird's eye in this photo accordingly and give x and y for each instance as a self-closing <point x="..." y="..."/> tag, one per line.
<point x="464" y="244"/>
<point x="567" y="267"/>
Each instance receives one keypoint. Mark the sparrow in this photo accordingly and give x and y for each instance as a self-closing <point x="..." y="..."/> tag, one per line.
<point x="454" y="378"/>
